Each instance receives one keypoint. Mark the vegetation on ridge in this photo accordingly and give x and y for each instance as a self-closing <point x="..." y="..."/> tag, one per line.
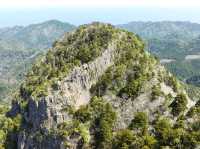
<point x="90" y="43"/>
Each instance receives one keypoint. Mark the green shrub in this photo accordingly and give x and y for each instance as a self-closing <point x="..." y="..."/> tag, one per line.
<point x="156" y="92"/>
<point x="149" y="141"/>
<point x="163" y="129"/>
<point x="140" y="121"/>
<point x="133" y="87"/>
<point x="123" y="139"/>
<point x="83" y="114"/>
<point x="179" y="104"/>
<point x="102" y="118"/>
<point x="112" y="80"/>
<point x="126" y="139"/>
<point x="105" y="125"/>
<point x="67" y="129"/>
<point x="196" y="126"/>
<point x="8" y="127"/>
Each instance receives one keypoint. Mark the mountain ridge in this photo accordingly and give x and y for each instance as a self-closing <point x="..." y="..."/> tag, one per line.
<point x="170" y="46"/>
<point x="133" y="101"/>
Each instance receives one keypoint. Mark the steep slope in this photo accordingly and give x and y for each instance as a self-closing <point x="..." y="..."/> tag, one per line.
<point x="19" y="46"/>
<point x="98" y="88"/>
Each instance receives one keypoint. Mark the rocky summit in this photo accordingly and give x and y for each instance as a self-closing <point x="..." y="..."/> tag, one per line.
<point x="97" y="88"/>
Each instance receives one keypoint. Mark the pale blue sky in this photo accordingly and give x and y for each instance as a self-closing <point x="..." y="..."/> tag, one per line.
<point x="25" y="14"/>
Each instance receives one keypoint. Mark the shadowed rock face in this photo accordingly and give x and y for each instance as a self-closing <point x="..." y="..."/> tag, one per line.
<point x="48" y="143"/>
<point x="44" y="115"/>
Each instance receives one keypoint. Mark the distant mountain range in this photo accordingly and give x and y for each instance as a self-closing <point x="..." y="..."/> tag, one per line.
<point x="19" y="46"/>
<point x="165" y="39"/>
<point x="36" y="36"/>
<point x="170" y="41"/>
<point x="149" y="30"/>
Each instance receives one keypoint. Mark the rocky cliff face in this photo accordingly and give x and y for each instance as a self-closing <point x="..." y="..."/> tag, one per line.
<point x="100" y="93"/>
<point x="75" y="88"/>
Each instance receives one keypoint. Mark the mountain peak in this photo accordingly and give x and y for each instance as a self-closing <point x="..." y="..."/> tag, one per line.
<point x="93" y="89"/>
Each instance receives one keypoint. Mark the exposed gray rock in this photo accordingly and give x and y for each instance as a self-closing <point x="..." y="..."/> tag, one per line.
<point x="27" y="141"/>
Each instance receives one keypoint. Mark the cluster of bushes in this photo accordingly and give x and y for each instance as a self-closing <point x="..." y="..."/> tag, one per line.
<point x="102" y="117"/>
<point x="81" y="46"/>
<point x="164" y="135"/>
<point x="104" y="127"/>
<point x="8" y="128"/>
<point x="127" y="139"/>
<point x="137" y="75"/>
<point x="179" y="104"/>
<point x="176" y="136"/>
<point x="112" y="79"/>
<point x="67" y="129"/>
<point x="132" y="88"/>
<point x="140" y="122"/>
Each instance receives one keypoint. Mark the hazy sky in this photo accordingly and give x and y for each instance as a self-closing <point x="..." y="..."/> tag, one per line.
<point x="23" y="12"/>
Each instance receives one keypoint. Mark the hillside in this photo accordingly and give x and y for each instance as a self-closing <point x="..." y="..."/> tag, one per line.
<point x="35" y="36"/>
<point x="19" y="46"/>
<point x="98" y="88"/>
